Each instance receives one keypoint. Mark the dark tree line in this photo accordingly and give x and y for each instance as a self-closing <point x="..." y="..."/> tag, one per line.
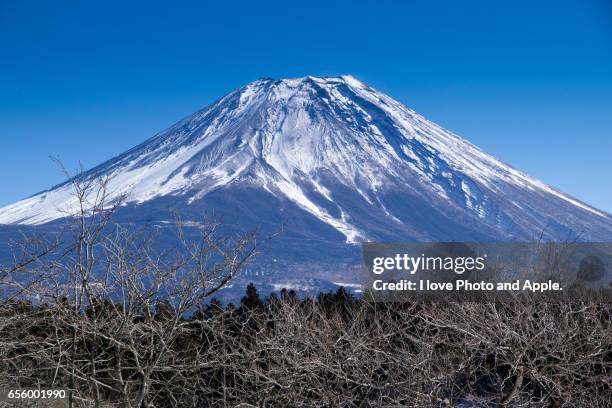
<point x="335" y="350"/>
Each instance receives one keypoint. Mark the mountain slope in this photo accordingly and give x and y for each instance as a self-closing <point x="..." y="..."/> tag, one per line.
<point x="335" y="161"/>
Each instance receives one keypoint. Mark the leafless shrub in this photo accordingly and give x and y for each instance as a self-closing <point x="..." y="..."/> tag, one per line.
<point x="358" y="353"/>
<point x="99" y="311"/>
<point x="106" y="313"/>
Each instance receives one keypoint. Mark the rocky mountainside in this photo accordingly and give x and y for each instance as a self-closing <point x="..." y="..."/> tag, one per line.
<point x="333" y="161"/>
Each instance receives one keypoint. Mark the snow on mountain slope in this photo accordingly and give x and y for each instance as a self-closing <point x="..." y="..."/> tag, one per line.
<point x="343" y="153"/>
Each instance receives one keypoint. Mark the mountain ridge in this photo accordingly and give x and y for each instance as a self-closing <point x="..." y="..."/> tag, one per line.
<point x="346" y="155"/>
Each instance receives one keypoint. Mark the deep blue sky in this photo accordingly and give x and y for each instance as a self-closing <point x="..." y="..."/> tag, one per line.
<point x="528" y="81"/>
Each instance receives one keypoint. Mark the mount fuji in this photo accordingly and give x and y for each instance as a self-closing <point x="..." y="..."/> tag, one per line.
<point x="336" y="163"/>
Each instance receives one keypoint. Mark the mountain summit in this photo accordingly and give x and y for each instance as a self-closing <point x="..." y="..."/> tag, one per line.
<point x="333" y="160"/>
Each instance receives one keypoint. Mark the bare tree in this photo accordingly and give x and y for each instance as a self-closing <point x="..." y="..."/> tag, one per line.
<point x="108" y="313"/>
<point x="108" y="286"/>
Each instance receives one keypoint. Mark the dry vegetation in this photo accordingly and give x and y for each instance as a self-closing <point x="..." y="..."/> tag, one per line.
<point x="121" y="324"/>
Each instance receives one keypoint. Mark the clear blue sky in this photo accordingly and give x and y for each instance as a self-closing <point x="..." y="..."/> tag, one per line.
<point x="528" y="81"/>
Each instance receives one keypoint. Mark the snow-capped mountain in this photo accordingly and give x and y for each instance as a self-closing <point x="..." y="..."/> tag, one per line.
<point x="334" y="161"/>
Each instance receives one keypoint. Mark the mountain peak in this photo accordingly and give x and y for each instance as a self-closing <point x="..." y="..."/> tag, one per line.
<point x="349" y="156"/>
<point x="322" y="78"/>
<point x="294" y="83"/>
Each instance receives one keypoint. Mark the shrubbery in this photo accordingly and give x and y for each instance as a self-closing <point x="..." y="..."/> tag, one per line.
<point x="104" y="313"/>
<point x="333" y="351"/>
